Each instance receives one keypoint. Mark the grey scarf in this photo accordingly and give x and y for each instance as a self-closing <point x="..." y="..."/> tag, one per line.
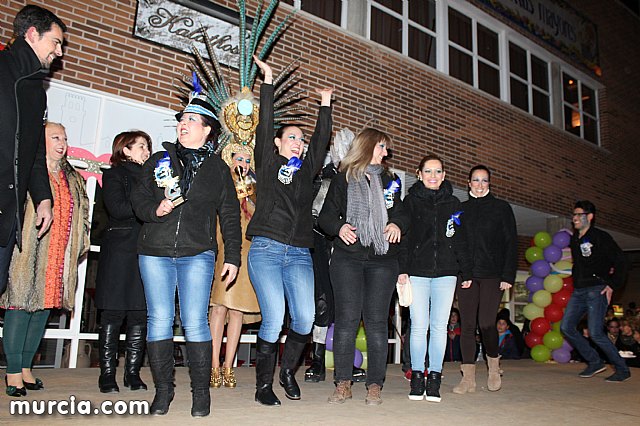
<point x="366" y="209"/>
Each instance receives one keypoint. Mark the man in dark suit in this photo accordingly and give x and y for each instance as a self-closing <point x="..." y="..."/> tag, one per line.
<point x="38" y="39"/>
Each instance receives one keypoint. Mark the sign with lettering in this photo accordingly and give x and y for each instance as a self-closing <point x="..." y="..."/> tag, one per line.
<point x="557" y="24"/>
<point x="179" y="23"/>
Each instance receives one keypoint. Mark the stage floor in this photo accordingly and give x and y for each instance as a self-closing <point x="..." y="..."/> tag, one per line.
<point x="532" y="394"/>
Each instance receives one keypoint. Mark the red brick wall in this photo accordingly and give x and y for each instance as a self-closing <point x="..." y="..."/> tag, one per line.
<point x="534" y="163"/>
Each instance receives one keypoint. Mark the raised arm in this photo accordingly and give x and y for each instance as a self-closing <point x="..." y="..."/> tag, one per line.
<point x="264" y="131"/>
<point x="322" y="133"/>
<point x="266" y="70"/>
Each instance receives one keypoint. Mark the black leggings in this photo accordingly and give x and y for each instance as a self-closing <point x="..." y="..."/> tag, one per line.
<point x="481" y="302"/>
<point x="116" y="318"/>
<point x="323" y="292"/>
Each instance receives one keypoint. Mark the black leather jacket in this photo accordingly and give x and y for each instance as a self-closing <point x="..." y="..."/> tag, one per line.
<point x="190" y="229"/>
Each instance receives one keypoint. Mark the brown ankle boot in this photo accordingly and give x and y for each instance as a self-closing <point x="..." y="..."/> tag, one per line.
<point x="494" y="382"/>
<point x="342" y="392"/>
<point x="468" y="382"/>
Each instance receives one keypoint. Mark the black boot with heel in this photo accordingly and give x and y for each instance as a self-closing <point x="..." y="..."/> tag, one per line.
<point x="199" y="359"/>
<point x="316" y="371"/>
<point x="108" y="335"/>
<point x="293" y="348"/>
<point x="266" y="355"/>
<point x="136" y="336"/>
<point x="162" y="367"/>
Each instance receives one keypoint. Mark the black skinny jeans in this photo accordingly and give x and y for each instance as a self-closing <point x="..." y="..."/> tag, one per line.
<point x="480" y="301"/>
<point x="362" y="288"/>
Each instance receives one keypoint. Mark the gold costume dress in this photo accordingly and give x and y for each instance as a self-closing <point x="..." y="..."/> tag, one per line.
<point x="240" y="296"/>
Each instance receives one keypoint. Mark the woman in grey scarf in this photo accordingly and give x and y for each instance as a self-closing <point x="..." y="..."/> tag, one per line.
<point x="364" y="210"/>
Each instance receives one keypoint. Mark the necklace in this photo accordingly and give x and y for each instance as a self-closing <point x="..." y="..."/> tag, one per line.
<point x="54" y="170"/>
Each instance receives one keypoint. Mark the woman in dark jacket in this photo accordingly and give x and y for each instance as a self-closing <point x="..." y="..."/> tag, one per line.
<point x="491" y="230"/>
<point x="282" y="229"/>
<point x="181" y="193"/>
<point x="434" y="254"/>
<point x="363" y="209"/>
<point x="119" y="292"/>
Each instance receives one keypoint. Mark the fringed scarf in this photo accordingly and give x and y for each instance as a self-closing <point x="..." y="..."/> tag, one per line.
<point x="192" y="159"/>
<point x="366" y="209"/>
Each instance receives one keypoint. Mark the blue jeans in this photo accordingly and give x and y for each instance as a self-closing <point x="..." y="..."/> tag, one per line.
<point x="280" y="271"/>
<point x="432" y="299"/>
<point x="192" y="275"/>
<point x="589" y="301"/>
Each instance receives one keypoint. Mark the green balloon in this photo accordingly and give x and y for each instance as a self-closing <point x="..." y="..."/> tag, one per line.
<point x="361" y="340"/>
<point x="542" y="298"/>
<point x="556" y="326"/>
<point x="542" y="239"/>
<point x="531" y="311"/>
<point x="365" y="361"/>
<point x="328" y="359"/>
<point x="553" y="283"/>
<point x="533" y="253"/>
<point x="540" y="353"/>
<point x="552" y="340"/>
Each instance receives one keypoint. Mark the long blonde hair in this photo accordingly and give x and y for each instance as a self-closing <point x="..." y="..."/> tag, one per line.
<point x="361" y="152"/>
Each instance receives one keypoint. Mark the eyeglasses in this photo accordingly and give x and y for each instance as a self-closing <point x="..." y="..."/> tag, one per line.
<point x="578" y="214"/>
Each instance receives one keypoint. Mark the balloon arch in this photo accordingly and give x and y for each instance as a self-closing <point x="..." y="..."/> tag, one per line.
<point x="550" y="286"/>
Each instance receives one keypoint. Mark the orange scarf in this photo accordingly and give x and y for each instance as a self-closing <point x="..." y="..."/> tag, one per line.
<point x="60" y="231"/>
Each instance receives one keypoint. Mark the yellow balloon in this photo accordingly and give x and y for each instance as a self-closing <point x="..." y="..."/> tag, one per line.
<point x="328" y="359"/>
<point x="562" y="268"/>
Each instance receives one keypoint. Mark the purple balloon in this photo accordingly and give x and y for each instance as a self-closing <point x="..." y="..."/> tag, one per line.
<point x="540" y="268"/>
<point x="530" y="297"/>
<point x="534" y="283"/>
<point x="561" y="356"/>
<point x="329" y="341"/>
<point x="561" y="239"/>
<point x="566" y="346"/>
<point x="357" y="359"/>
<point x="552" y="253"/>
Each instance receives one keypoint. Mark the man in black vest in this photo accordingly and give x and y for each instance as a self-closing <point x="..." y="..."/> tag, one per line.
<point x="38" y="39"/>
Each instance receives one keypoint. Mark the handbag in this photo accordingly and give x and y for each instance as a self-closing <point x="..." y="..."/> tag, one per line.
<point x="405" y="295"/>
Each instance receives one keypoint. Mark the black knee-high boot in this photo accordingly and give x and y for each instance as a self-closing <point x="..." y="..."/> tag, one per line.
<point x="161" y="363"/>
<point x="199" y="355"/>
<point x="108" y="336"/>
<point x="136" y="337"/>
<point x="293" y="348"/>
<point x="316" y="371"/>
<point x="266" y="355"/>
